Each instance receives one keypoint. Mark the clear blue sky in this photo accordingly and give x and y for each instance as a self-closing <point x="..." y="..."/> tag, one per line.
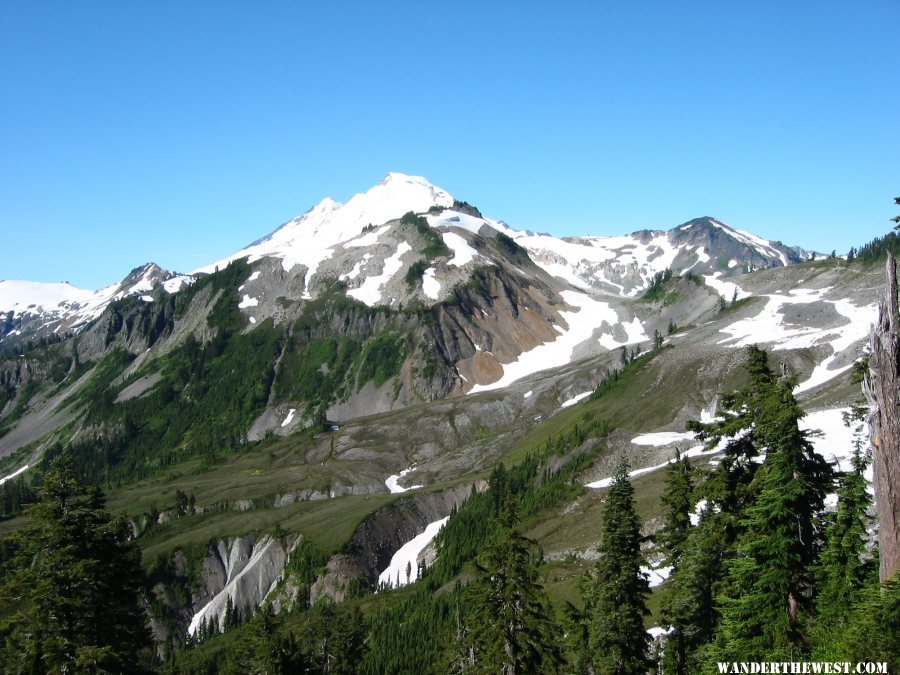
<point x="179" y="132"/>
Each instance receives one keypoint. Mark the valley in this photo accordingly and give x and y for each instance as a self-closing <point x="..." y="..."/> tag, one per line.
<point x="277" y="425"/>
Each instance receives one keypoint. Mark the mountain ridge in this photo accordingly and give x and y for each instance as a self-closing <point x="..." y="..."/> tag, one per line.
<point x="608" y="264"/>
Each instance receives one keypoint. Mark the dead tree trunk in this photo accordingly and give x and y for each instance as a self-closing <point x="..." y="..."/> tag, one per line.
<point x="882" y="389"/>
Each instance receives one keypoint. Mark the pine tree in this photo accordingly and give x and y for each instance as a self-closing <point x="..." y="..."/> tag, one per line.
<point x="335" y="639"/>
<point x="689" y="607"/>
<point x="677" y="503"/>
<point x="75" y="585"/>
<point x="768" y="600"/>
<point x="511" y="625"/>
<point x="616" y="593"/>
<point x="263" y="650"/>
<point x="844" y="566"/>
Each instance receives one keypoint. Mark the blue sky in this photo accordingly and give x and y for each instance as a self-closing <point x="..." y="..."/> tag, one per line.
<point x="179" y="132"/>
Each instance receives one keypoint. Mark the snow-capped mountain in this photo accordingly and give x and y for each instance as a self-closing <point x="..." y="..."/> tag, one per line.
<point x="627" y="264"/>
<point x="364" y="245"/>
<point x="35" y="309"/>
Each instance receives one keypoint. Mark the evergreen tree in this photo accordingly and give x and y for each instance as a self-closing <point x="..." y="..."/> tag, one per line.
<point x="844" y="566"/>
<point x="263" y="650"/>
<point x="677" y="503"/>
<point x="872" y="629"/>
<point x="768" y="600"/>
<point x="689" y="607"/>
<point x="74" y="589"/>
<point x="616" y="593"/>
<point x="511" y="625"/>
<point x="335" y="640"/>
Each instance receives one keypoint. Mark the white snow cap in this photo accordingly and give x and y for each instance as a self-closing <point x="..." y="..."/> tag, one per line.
<point x="311" y="238"/>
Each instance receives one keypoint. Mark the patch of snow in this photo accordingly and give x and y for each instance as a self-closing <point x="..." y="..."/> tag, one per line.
<point x="662" y="438"/>
<point x="528" y="394"/>
<point x="658" y="576"/>
<point x="147" y="298"/>
<point x="708" y="415"/>
<point x="591" y="313"/>
<point x="463" y="253"/>
<point x="175" y="284"/>
<point x="394" y="487"/>
<point x="247" y="302"/>
<point x="352" y="274"/>
<point x="732" y="264"/>
<point x="575" y="399"/>
<point x="697" y="512"/>
<point x="407" y="555"/>
<point x="253" y="277"/>
<point x="450" y="218"/>
<point x="860" y="319"/>
<point x="768" y="327"/>
<point x="836" y="442"/>
<point x="289" y="418"/>
<point x="696" y="451"/>
<point x="14" y="474"/>
<point x="725" y="288"/>
<point x="634" y="334"/>
<point x="656" y="632"/>
<point x="370" y="290"/>
<point x="761" y="246"/>
<point x="252" y="319"/>
<point x="431" y="287"/>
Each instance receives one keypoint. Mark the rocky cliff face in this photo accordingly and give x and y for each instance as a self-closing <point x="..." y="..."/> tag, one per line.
<point x="241" y="571"/>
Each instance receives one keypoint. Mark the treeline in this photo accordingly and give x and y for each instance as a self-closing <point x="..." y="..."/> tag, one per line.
<point x="876" y="250"/>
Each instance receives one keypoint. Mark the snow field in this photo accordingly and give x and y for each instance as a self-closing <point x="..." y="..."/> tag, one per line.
<point x="406" y="556"/>
<point x="725" y="288"/>
<point x="289" y="418"/>
<point x="14" y="474"/>
<point x="661" y="438"/>
<point x="394" y="487"/>
<point x="575" y="399"/>
<point x="431" y="287"/>
<point x="370" y="290"/>
<point x="591" y="314"/>
<point x="463" y="253"/>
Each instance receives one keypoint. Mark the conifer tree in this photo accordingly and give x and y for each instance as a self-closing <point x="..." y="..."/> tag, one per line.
<point x="677" y="502"/>
<point x="844" y="566"/>
<point x="767" y="603"/>
<point x="75" y="585"/>
<point x="511" y="624"/>
<point x="689" y="607"/>
<point x="264" y="650"/>
<point x="616" y="593"/>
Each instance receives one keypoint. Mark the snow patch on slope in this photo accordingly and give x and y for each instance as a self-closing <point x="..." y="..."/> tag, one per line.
<point x="394" y="486"/>
<point x="406" y="557"/>
<point x="591" y="313"/>
<point x="370" y="290"/>
<point x="14" y="474"/>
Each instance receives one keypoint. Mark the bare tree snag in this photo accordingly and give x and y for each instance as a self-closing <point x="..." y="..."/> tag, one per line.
<point x="882" y="389"/>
